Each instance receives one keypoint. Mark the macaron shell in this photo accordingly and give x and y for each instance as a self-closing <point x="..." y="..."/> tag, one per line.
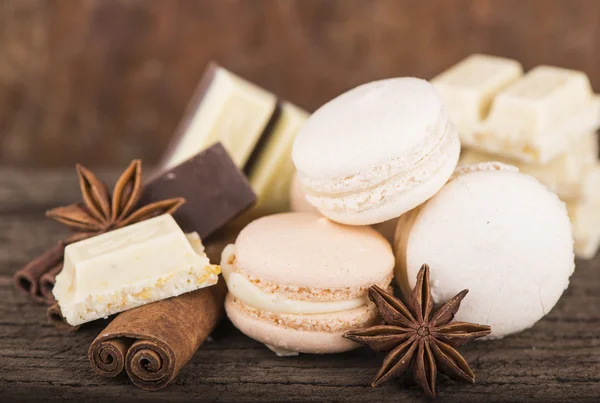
<point x="308" y="250"/>
<point x="367" y="126"/>
<point x="500" y="234"/>
<point x="404" y="200"/>
<point x="311" y="342"/>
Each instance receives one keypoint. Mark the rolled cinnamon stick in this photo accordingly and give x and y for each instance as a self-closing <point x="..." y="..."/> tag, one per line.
<point x="153" y="342"/>
<point x="27" y="280"/>
<point x="47" y="283"/>
<point x="109" y="356"/>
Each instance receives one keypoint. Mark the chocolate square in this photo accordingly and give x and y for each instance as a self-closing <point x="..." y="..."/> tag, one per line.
<point x="215" y="190"/>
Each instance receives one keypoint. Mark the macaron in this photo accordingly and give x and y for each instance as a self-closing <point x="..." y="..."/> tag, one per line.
<point x="497" y="232"/>
<point x="298" y="281"/>
<point x="376" y="151"/>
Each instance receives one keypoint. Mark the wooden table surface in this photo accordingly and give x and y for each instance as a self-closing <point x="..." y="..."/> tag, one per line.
<point x="557" y="360"/>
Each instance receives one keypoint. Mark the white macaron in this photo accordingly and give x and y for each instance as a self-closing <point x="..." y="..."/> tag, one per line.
<point x="497" y="232"/>
<point x="376" y="151"/>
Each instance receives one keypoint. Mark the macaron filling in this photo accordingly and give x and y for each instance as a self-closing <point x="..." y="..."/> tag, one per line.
<point x="278" y="302"/>
<point x="330" y="322"/>
<point x="398" y="183"/>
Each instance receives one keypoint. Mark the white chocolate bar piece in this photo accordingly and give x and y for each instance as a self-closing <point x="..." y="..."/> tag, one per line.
<point x="225" y="108"/>
<point x="585" y="219"/>
<point x="271" y="177"/>
<point x="469" y="87"/>
<point x="566" y="175"/>
<point x="534" y="119"/>
<point x="531" y="117"/>
<point x="255" y="131"/>
<point x="132" y="266"/>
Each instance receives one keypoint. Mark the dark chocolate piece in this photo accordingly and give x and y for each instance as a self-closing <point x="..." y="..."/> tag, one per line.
<point x="215" y="191"/>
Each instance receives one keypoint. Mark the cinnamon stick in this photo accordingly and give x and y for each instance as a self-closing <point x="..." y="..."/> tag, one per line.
<point x="37" y="278"/>
<point x="47" y="283"/>
<point x="27" y="280"/>
<point x="153" y="342"/>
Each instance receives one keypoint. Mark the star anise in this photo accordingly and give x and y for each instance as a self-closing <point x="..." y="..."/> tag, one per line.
<point x="419" y="337"/>
<point x="100" y="212"/>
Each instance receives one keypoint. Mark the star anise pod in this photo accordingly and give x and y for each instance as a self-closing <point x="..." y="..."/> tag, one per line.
<point x="101" y="212"/>
<point x="418" y="336"/>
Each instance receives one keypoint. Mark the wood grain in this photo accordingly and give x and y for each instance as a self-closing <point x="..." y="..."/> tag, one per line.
<point x="105" y="81"/>
<point x="558" y="360"/>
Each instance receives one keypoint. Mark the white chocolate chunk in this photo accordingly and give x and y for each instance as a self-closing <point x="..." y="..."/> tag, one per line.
<point x="271" y="177"/>
<point x="534" y="118"/>
<point x="226" y="109"/>
<point x="545" y="97"/>
<point x="469" y="87"/>
<point x="585" y="219"/>
<point x="530" y="118"/>
<point x="132" y="266"/>
<point x="567" y="175"/>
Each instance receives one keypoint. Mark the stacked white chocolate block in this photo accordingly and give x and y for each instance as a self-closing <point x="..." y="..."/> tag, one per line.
<point x="543" y="121"/>
<point x="256" y="128"/>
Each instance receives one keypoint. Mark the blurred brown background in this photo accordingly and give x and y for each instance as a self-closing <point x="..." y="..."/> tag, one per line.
<point x="104" y="81"/>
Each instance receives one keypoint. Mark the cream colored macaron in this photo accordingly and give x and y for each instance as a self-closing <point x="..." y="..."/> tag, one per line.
<point x="376" y="151"/>
<point x="497" y="232"/>
<point x="297" y="281"/>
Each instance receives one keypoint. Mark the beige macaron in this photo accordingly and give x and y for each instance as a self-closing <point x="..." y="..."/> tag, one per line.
<point x="297" y="281"/>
